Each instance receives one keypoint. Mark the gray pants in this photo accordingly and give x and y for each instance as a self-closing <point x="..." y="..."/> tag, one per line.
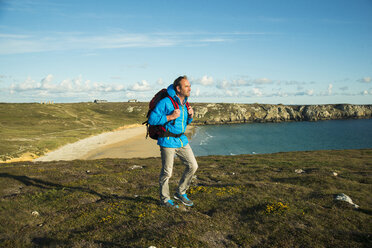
<point x="167" y="157"/>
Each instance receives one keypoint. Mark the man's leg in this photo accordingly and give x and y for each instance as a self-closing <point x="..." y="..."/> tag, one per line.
<point x="167" y="158"/>
<point x="188" y="159"/>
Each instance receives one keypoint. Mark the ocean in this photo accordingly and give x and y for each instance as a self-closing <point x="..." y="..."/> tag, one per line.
<point x="259" y="138"/>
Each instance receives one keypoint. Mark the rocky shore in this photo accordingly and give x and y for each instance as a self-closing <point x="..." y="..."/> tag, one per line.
<point x="222" y="113"/>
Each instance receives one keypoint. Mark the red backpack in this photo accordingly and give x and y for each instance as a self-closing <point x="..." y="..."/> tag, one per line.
<point x="156" y="131"/>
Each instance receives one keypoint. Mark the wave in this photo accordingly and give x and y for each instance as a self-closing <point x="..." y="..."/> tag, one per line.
<point x="206" y="139"/>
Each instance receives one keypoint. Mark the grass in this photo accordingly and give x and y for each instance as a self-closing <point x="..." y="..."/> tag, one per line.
<point x="32" y="128"/>
<point x="240" y="201"/>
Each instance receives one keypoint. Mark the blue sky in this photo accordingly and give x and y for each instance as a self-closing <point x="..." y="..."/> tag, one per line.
<point x="290" y="52"/>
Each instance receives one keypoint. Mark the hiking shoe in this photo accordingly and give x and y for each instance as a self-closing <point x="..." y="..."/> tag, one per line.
<point x="170" y="204"/>
<point x="183" y="198"/>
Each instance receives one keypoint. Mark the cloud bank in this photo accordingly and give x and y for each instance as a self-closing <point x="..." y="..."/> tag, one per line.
<point x="141" y="86"/>
<point x="204" y="87"/>
<point x="76" y="85"/>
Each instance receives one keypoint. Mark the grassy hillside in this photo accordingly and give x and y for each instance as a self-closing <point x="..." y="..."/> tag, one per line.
<point x="240" y="201"/>
<point x="37" y="128"/>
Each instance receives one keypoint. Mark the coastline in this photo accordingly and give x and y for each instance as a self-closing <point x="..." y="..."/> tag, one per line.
<point x="130" y="147"/>
<point x="124" y="142"/>
<point x="23" y="142"/>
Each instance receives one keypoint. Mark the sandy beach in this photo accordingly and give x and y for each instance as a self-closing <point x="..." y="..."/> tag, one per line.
<point x="127" y="142"/>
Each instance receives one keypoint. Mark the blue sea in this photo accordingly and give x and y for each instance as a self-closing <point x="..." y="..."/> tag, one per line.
<point x="259" y="138"/>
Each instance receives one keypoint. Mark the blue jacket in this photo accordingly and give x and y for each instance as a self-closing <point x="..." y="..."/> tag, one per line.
<point x="159" y="117"/>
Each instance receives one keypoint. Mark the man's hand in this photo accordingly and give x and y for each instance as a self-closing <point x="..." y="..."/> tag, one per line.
<point x="176" y="113"/>
<point x="191" y="112"/>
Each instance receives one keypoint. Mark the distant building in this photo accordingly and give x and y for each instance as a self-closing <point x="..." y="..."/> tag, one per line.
<point x="132" y="100"/>
<point x="100" y="101"/>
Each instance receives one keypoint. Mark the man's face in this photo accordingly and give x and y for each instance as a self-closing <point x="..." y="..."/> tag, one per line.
<point x="185" y="88"/>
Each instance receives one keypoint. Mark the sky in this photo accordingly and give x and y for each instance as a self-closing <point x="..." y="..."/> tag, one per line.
<point x="233" y="51"/>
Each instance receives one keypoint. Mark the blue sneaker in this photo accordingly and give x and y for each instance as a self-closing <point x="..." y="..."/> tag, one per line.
<point x="170" y="204"/>
<point x="183" y="198"/>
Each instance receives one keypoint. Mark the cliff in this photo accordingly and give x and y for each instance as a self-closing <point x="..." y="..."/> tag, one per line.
<point x="222" y="113"/>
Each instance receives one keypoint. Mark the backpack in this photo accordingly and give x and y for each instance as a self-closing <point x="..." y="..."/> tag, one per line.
<point x="156" y="131"/>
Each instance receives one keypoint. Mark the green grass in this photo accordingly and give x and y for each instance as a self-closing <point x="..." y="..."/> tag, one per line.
<point x="37" y="128"/>
<point x="240" y="201"/>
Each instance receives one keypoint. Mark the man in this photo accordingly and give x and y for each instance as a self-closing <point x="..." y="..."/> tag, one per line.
<point x="175" y="122"/>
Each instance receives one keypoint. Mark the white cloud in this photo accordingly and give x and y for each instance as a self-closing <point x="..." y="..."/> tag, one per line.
<point x="15" y="43"/>
<point x="79" y="88"/>
<point x="365" y="80"/>
<point x="196" y="92"/>
<point x="241" y="82"/>
<point x="229" y="92"/>
<point x="28" y="84"/>
<point x="141" y="86"/>
<point x="257" y="92"/>
<point x="160" y="81"/>
<point x="366" y="92"/>
<point x="330" y="86"/>
<point x="294" y="82"/>
<point x="262" y="81"/>
<point x="205" y="80"/>
<point x="224" y="84"/>
<point x="45" y="82"/>
<point x="119" y="88"/>
<point x="310" y="92"/>
<point x="327" y="92"/>
<point x="277" y="94"/>
<point x="130" y="94"/>
<point x="66" y="86"/>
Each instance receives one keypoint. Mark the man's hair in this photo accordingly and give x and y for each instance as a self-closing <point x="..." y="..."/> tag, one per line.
<point x="177" y="82"/>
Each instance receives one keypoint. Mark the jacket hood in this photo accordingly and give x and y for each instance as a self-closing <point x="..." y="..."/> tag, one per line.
<point x="172" y="93"/>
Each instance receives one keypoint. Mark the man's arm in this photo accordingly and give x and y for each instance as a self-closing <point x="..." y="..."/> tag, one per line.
<point x="158" y="115"/>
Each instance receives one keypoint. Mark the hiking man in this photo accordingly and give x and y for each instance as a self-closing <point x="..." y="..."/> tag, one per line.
<point x="175" y="121"/>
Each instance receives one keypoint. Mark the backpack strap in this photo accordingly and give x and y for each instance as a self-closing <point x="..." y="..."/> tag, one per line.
<point x="187" y="105"/>
<point x="188" y="108"/>
<point x="169" y="134"/>
<point x="175" y="104"/>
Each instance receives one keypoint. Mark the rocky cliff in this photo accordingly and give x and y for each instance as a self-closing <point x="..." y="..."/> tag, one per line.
<point x="222" y="113"/>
